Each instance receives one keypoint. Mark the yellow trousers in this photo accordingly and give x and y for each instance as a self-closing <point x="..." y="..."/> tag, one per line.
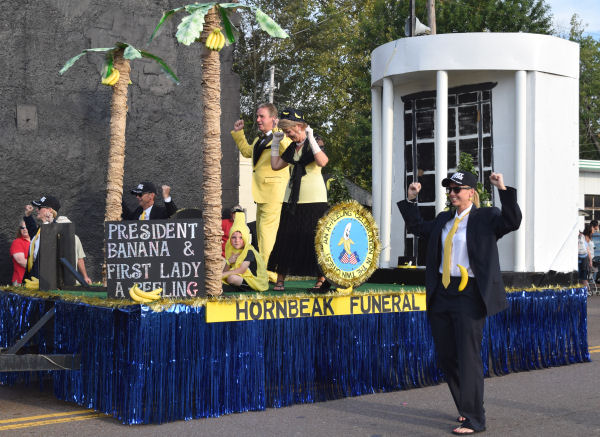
<point x="267" y="223"/>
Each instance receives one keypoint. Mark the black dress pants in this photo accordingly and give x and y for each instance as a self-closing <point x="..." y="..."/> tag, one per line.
<point x="457" y="320"/>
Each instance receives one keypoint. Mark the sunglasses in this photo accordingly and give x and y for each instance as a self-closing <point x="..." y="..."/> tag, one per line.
<point x="456" y="190"/>
<point x="22" y="227"/>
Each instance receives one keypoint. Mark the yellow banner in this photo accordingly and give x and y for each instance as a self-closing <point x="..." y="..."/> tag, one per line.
<point x="310" y="306"/>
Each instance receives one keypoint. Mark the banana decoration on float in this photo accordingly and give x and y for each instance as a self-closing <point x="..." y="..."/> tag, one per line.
<point x="345" y="290"/>
<point x="464" y="277"/>
<point x="112" y="78"/>
<point x="32" y="284"/>
<point x="139" y="295"/>
<point x="215" y="40"/>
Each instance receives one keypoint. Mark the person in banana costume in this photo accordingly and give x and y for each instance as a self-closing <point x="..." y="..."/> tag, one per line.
<point x="245" y="268"/>
<point x="463" y="282"/>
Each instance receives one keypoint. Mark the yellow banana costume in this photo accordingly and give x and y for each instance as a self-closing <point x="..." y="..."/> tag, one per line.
<point x="260" y="282"/>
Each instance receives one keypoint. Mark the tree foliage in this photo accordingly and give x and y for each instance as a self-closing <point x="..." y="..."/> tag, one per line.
<point x="324" y="67"/>
<point x="589" y="90"/>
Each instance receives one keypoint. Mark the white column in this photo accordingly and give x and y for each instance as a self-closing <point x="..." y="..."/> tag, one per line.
<point x="387" y="130"/>
<point x="520" y="162"/>
<point x="441" y="139"/>
<point x="376" y="153"/>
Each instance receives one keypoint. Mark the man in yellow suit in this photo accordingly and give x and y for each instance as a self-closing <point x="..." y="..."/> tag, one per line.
<point x="268" y="185"/>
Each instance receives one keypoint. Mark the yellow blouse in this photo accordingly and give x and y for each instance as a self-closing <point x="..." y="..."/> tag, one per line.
<point x="312" y="185"/>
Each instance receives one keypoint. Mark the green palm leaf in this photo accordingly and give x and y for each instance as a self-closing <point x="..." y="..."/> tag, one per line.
<point x="74" y="59"/>
<point x="267" y="24"/>
<point x="131" y="53"/>
<point x="199" y="6"/>
<point x="232" y="6"/>
<point x="190" y="28"/>
<point x="162" y="64"/>
<point x="228" y="28"/>
<point x="166" y="15"/>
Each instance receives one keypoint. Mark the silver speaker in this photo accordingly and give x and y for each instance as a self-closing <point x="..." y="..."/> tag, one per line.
<point x="420" y="28"/>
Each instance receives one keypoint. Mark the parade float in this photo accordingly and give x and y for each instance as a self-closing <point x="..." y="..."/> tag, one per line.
<point x="187" y="354"/>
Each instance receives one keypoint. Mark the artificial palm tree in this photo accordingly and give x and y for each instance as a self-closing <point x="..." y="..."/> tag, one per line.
<point x="201" y="21"/>
<point x="116" y="73"/>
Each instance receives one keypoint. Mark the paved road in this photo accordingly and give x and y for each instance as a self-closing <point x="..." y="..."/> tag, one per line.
<point x="561" y="401"/>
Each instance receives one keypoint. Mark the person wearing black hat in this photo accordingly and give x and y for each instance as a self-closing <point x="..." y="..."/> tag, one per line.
<point x="47" y="211"/>
<point x="268" y="185"/>
<point x="460" y="242"/>
<point x="147" y="210"/>
<point x="305" y="201"/>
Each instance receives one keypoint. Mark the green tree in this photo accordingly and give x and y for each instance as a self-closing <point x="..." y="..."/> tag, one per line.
<point x="324" y="68"/>
<point x="589" y="90"/>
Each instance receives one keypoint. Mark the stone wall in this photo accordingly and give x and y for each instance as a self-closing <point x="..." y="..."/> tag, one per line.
<point x="55" y="129"/>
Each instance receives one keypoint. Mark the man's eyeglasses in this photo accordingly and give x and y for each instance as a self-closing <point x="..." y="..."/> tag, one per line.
<point x="22" y="227"/>
<point x="456" y="190"/>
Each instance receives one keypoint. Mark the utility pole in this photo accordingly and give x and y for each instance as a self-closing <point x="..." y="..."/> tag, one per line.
<point x="271" y="83"/>
<point x="413" y="21"/>
<point x="431" y="15"/>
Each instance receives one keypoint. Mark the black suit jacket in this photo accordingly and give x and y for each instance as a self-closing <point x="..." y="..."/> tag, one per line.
<point x="484" y="228"/>
<point x="156" y="213"/>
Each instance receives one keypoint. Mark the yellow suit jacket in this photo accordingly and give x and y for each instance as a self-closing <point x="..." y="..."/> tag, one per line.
<point x="268" y="185"/>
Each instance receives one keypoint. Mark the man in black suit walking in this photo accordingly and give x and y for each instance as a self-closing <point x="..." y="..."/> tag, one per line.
<point x="147" y="210"/>
<point x="461" y="245"/>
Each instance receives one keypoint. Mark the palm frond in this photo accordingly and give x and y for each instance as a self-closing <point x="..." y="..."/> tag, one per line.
<point x="190" y="28"/>
<point x="166" y="15"/>
<point x="162" y="64"/>
<point x="228" y="28"/>
<point x="267" y="24"/>
<point x="74" y="59"/>
<point x="131" y="53"/>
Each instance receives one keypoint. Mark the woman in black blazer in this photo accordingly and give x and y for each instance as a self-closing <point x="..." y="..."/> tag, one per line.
<point x="463" y="240"/>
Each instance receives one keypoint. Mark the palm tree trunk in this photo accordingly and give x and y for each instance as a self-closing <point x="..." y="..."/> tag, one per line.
<point x="116" y="152"/>
<point x="211" y="164"/>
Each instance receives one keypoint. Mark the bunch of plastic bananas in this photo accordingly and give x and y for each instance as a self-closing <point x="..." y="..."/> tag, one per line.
<point x="112" y="78"/>
<point x="215" y="40"/>
<point x="139" y="295"/>
<point x="32" y="284"/>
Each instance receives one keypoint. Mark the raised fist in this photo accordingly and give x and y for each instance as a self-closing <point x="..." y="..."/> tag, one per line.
<point x="28" y="210"/>
<point x="413" y="190"/>
<point x="309" y="132"/>
<point x="498" y="181"/>
<point x="166" y="191"/>
<point x="238" y="125"/>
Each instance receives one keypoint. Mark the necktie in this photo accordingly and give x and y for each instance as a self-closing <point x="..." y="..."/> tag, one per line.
<point x="448" y="251"/>
<point x="143" y="216"/>
<point x="32" y="250"/>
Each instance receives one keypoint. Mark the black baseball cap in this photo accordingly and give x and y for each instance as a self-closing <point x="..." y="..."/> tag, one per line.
<point x="292" y="115"/>
<point x="47" y="201"/>
<point x="461" y="178"/>
<point x="144" y="187"/>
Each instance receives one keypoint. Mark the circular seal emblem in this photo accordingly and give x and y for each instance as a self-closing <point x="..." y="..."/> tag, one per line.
<point x="347" y="244"/>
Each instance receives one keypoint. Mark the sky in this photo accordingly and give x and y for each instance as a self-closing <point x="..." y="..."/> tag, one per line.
<point x="588" y="11"/>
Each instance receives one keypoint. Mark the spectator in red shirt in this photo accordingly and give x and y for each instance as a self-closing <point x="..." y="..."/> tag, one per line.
<point x="18" y="252"/>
